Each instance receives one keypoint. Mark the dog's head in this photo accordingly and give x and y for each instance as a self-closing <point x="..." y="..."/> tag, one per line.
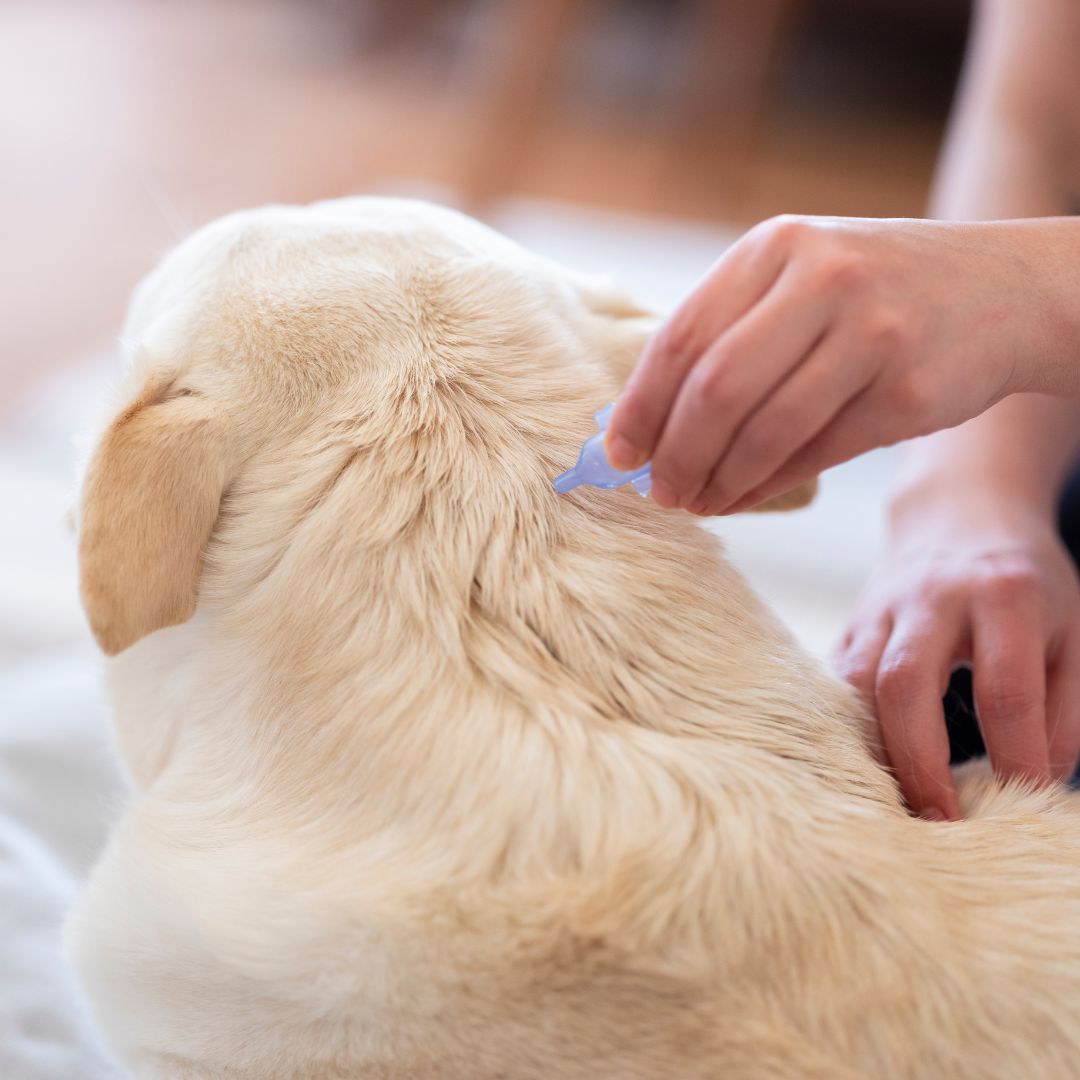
<point x="439" y="366"/>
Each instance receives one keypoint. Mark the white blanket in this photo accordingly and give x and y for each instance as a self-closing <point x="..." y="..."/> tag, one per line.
<point x="59" y="785"/>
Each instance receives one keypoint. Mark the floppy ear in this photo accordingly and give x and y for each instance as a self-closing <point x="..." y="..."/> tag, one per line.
<point x="149" y="504"/>
<point x="795" y="499"/>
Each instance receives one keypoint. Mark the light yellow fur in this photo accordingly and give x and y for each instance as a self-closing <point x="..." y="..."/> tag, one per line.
<point x="452" y="778"/>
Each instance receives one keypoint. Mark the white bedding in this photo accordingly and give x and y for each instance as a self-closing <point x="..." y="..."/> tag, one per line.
<point x="59" y="786"/>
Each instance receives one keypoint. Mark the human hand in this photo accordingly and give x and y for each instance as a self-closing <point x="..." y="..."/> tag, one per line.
<point x="815" y="339"/>
<point x="970" y="579"/>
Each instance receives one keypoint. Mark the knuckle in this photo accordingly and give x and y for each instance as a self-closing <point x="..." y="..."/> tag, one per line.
<point x="676" y="339"/>
<point x="843" y="269"/>
<point x="934" y="595"/>
<point x="897" y="678"/>
<point x="887" y="329"/>
<point x="711" y="385"/>
<point x="855" y="669"/>
<point x="1009" y="585"/>
<point x="912" y="395"/>
<point x="786" y="230"/>
<point x="764" y="439"/>
<point x="939" y="589"/>
<point x="1011" y="697"/>
<point x="673" y="467"/>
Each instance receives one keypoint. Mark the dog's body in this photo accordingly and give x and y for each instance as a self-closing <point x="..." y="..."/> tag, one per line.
<point x="452" y="777"/>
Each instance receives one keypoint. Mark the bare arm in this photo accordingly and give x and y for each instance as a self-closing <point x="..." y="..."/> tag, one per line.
<point x="814" y="339"/>
<point x="974" y="572"/>
<point x="1013" y="150"/>
<point x="1013" y="147"/>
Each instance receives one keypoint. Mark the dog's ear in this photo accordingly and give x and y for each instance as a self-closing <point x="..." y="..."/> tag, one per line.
<point x="149" y="503"/>
<point x="623" y="326"/>
<point x="795" y="499"/>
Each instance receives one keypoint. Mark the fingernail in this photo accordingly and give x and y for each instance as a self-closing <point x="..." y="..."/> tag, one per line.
<point x="663" y="495"/>
<point x="622" y="454"/>
<point x="932" y="813"/>
<point x="698" y="506"/>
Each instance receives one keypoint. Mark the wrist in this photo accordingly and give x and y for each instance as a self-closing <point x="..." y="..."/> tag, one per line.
<point x="1046" y="254"/>
<point x="967" y="502"/>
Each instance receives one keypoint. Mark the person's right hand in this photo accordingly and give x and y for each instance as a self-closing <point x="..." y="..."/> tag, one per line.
<point x="815" y="339"/>
<point x="970" y="578"/>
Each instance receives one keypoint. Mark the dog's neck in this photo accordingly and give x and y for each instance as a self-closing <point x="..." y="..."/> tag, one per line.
<point x="594" y="610"/>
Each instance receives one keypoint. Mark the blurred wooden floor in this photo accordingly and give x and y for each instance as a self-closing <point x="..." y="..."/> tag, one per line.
<point x="127" y="123"/>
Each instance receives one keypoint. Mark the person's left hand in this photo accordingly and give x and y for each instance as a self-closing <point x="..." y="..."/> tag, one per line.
<point x="973" y="574"/>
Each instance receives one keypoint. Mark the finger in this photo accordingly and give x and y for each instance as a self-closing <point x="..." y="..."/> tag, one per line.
<point x="860" y="426"/>
<point x="742" y="276"/>
<point x="856" y="660"/>
<point x="798" y="410"/>
<point x="912" y="678"/>
<point x="1063" y="708"/>
<point x="729" y="381"/>
<point x="1010" y="682"/>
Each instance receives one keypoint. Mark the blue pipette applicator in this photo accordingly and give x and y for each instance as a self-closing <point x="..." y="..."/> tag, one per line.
<point x="593" y="468"/>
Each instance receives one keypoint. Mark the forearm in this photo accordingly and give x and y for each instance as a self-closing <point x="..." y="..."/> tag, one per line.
<point x="1013" y="145"/>
<point x="1011" y="153"/>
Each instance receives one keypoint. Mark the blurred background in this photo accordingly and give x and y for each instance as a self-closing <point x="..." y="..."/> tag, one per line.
<point x="628" y="137"/>
<point x="128" y="123"/>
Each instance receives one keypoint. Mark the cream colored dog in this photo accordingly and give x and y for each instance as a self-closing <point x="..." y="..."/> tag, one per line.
<point x="441" y="775"/>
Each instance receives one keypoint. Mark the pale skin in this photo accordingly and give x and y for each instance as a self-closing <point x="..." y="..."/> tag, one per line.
<point x="813" y="340"/>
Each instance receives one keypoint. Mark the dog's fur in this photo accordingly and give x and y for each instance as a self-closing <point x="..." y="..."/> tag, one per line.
<point x="441" y="775"/>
